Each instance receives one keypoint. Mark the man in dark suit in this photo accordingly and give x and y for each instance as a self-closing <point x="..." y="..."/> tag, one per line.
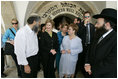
<point x="86" y="33"/>
<point x="101" y="61"/>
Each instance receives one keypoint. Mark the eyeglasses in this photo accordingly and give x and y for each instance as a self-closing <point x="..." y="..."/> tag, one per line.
<point x="86" y="16"/>
<point x="14" y="23"/>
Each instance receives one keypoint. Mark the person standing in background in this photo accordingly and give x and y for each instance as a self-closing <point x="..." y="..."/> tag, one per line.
<point x="39" y="35"/>
<point x="26" y="47"/>
<point x="8" y="37"/>
<point x="59" y="27"/>
<point x="77" y="20"/>
<point x="61" y="34"/>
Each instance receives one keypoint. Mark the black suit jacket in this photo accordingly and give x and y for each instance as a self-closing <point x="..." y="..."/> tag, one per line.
<point x="48" y="43"/>
<point x="82" y="32"/>
<point x="103" y="56"/>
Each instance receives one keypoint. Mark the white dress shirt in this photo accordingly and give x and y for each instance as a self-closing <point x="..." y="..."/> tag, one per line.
<point x="26" y="44"/>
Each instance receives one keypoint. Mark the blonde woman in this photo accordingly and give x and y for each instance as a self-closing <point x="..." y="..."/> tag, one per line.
<point x="49" y="47"/>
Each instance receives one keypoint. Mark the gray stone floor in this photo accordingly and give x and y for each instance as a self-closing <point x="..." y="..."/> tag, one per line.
<point x="12" y="73"/>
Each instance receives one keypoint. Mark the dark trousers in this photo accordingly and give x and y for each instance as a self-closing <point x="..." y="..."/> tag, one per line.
<point x="2" y="61"/>
<point x="81" y="62"/>
<point x="85" y="53"/>
<point x="106" y="75"/>
<point x="39" y="61"/>
<point x="48" y="65"/>
<point x="33" y="63"/>
<point x="15" y="60"/>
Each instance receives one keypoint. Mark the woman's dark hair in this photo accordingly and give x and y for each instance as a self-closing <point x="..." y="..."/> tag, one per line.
<point x="31" y="19"/>
<point x="79" y="19"/>
<point x="65" y="24"/>
<point x="86" y="13"/>
<point x="42" y="25"/>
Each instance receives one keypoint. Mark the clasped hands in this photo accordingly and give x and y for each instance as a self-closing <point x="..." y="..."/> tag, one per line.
<point x="64" y="51"/>
<point x="53" y="51"/>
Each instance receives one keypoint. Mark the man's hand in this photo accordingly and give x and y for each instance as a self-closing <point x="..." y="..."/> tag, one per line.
<point x="53" y="51"/>
<point x="27" y="69"/>
<point x="88" y="68"/>
<point x="12" y="42"/>
<point x="86" y="21"/>
<point x="63" y="51"/>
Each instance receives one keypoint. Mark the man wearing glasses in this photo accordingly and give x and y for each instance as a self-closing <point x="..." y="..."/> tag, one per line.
<point x="86" y="33"/>
<point x="9" y="38"/>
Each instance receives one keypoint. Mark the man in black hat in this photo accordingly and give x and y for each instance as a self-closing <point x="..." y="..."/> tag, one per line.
<point x="101" y="61"/>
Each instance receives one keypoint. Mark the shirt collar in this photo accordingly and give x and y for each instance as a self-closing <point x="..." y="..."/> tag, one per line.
<point x="28" y="27"/>
<point x="107" y="33"/>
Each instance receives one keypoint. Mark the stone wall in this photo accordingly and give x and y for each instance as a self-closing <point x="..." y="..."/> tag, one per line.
<point x="7" y="12"/>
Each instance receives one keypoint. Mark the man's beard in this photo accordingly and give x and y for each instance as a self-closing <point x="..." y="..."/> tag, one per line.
<point x="35" y="28"/>
<point x="100" y="31"/>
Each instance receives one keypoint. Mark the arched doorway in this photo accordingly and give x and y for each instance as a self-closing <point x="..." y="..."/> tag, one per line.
<point x="64" y="18"/>
<point x="52" y="9"/>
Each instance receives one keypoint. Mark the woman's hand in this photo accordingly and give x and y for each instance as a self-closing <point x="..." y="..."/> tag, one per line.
<point x="68" y="51"/>
<point x="63" y="51"/>
<point x="53" y="51"/>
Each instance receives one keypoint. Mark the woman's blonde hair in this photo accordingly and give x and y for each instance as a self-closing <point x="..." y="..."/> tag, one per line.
<point x="14" y="19"/>
<point x="50" y="21"/>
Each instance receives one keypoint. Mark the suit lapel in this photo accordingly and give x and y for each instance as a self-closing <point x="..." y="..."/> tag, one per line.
<point x="105" y="39"/>
<point x="95" y="46"/>
<point x="49" y="35"/>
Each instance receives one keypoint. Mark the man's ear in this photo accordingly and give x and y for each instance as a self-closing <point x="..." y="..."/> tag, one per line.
<point x="107" y="25"/>
<point x="34" y="22"/>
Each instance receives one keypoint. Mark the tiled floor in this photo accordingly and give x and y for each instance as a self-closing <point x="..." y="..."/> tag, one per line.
<point x="11" y="72"/>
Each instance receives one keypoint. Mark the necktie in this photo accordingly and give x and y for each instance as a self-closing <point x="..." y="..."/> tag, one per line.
<point x="100" y="39"/>
<point x="88" y="33"/>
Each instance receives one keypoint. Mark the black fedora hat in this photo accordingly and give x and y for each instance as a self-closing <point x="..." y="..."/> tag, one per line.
<point x="108" y="13"/>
